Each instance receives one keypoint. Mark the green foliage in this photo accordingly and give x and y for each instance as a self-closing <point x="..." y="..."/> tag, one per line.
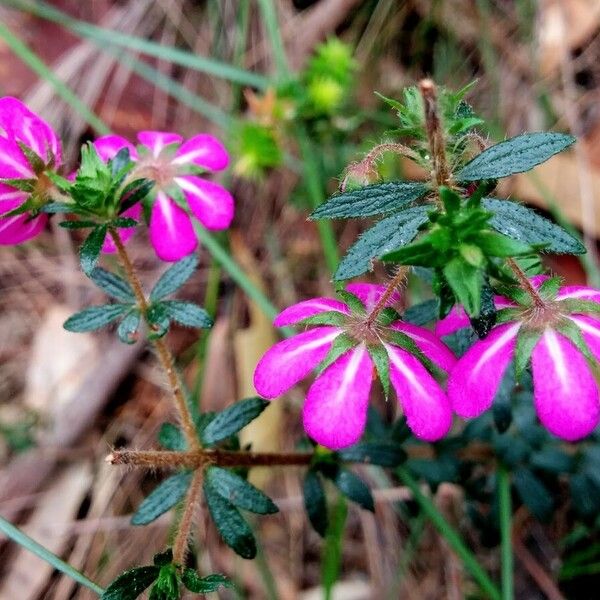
<point x="534" y="494"/>
<point x="422" y="313"/>
<point x="258" y="149"/>
<point x="232" y="419"/>
<point x="166" y="586"/>
<point x="112" y="284"/>
<point x="354" y="488"/>
<point x="174" y="277"/>
<point x="187" y="314"/>
<point x="171" y="438"/>
<point x="162" y="499"/>
<point x="130" y="584"/>
<point x="95" y="317"/>
<point x="204" y="585"/>
<point x="385" y="453"/>
<point x="315" y="501"/>
<point x="89" y="253"/>
<point x="129" y="326"/>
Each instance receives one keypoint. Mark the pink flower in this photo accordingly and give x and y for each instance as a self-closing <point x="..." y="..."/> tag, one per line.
<point x="20" y="128"/>
<point x="335" y="410"/>
<point x="565" y="391"/>
<point x="172" y="163"/>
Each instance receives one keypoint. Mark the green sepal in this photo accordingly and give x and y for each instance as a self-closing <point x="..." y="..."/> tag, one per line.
<point x="354" y="488"/>
<point x="387" y="316"/>
<point x="166" y="586"/>
<point x="25" y="207"/>
<point x="204" y="585"/>
<point x="163" y="498"/>
<point x="450" y="199"/>
<point x="570" y="330"/>
<point x="341" y="344"/>
<point x="36" y="162"/>
<point x="128" y="328"/>
<point x="62" y="183"/>
<point x="574" y="305"/>
<point x="174" y="277"/>
<point x="420" y="253"/>
<point x="381" y="360"/>
<point x="330" y="317"/>
<point x="89" y="253"/>
<point x="526" y="341"/>
<point x="130" y="584"/>
<point x="354" y="303"/>
<point x="550" y="287"/>
<point x="94" y="317"/>
<point x="232" y="419"/>
<point x="466" y="282"/>
<point x="23" y="185"/>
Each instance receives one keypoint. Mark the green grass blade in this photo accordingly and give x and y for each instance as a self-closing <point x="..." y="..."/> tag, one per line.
<point x="33" y="61"/>
<point x="17" y="536"/>
<point x="272" y="26"/>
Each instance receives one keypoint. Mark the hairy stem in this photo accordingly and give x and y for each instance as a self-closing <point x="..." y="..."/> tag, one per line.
<point x="164" y="355"/>
<point x="180" y="545"/>
<point x="398" y="279"/>
<point x="524" y="283"/>
<point x="195" y="459"/>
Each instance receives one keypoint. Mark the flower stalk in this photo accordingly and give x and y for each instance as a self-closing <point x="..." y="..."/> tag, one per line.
<point x="397" y="281"/>
<point x="525" y="284"/>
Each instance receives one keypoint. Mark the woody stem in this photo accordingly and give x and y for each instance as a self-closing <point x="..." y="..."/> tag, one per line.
<point x="524" y="283"/>
<point x="164" y="355"/>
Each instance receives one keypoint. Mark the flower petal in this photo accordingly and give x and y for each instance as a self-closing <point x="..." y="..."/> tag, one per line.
<point x="423" y="401"/>
<point x="370" y="293"/>
<point x="203" y="150"/>
<point x="133" y="212"/>
<point x="429" y="344"/>
<point x="565" y="392"/>
<point x="578" y="292"/>
<point x="157" y="140"/>
<point x="171" y="231"/>
<point x="308" y="308"/>
<point x="108" y="146"/>
<point x="291" y="360"/>
<point x="590" y="330"/>
<point x="20" y="123"/>
<point x="475" y="379"/>
<point x="211" y="203"/>
<point x="13" y="164"/>
<point x="20" y="228"/>
<point x="335" y="410"/>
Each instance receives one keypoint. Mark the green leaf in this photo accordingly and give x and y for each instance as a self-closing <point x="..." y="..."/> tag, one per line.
<point x="376" y="199"/>
<point x="232" y="527"/>
<point x="77" y="224"/>
<point x="552" y="460"/>
<point x="584" y="494"/>
<point x="534" y="494"/>
<point x="129" y="326"/>
<point x="232" y="419"/>
<point x="58" y="207"/>
<point x="94" y="317"/>
<point x="315" y="502"/>
<point x="158" y="320"/>
<point x="390" y="233"/>
<point x="124" y="222"/>
<point x="163" y="558"/>
<point x="341" y="344"/>
<point x="381" y="360"/>
<point x="112" y="284"/>
<point x="516" y="155"/>
<point x="496" y="244"/>
<point x="502" y="406"/>
<point x="187" y="314"/>
<point x="134" y="192"/>
<point x="354" y="488"/>
<point x="130" y="584"/>
<point x="521" y="223"/>
<point x="171" y="438"/>
<point x="89" y="253"/>
<point x="526" y="341"/>
<point x="466" y="282"/>
<point x="172" y="279"/>
<point x="423" y="313"/>
<point x="422" y="252"/>
<point x="239" y="492"/>
<point x="162" y="498"/>
<point x="384" y="453"/>
<point x="204" y="585"/>
<point x="167" y="585"/>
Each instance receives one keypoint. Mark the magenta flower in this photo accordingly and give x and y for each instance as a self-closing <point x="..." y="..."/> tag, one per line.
<point x="565" y="390"/>
<point x="335" y="410"/>
<point x="172" y="164"/>
<point x="23" y="133"/>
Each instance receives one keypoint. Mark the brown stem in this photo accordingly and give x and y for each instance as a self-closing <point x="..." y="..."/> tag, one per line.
<point x="196" y="459"/>
<point x="165" y="357"/>
<point x="396" y="281"/>
<point x="524" y="283"/>
<point x="180" y="545"/>
<point x="435" y="135"/>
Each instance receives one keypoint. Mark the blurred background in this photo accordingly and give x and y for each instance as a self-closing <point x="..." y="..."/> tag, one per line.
<point x="293" y="116"/>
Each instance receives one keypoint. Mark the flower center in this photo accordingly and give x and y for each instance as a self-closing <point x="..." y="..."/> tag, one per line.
<point x="159" y="170"/>
<point x="541" y="316"/>
<point x="362" y="330"/>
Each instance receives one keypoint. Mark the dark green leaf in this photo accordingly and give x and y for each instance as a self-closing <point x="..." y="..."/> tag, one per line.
<point x="232" y="419"/>
<point x="94" y="317"/>
<point x="77" y="224"/>
<point x="239" y="492"/>
<point x="204" y="585"/>
<point x="172" y="279"/>
<point x="167" y="585"/>
<point x="163" y="558"/>
<point x="381" y="360"/>
<point x="466" y="282"/>
<point x="232" y="527"/>
<point x="315" y="502"/>
<point x="112" y="284"/>
<point x="533" y="493"/>
<point x="376" y="199"/>
<point x="584" y="494"/>
<point x="524" y="224"/>
<point x="516" y="155"/>
<point x="389" y="234"/>
<point x="158" y="320"/>
<point x="130" y="584"/>
<point x="128" y="328"/>
<point x="423" y="313"/>
<point x="422" y="252"/>
<point x="120" y="161"/>
<point x="171" y="438"/>
<point x="90" y="249"/>
<point x="502" y="406"/>
<point x="134" y="192"/>
<point x="187" y="314"/>
<point x="483" y="323"/>
<point x="58" y="207"/>
<point x="124" y="223"/>
<point x="354" y="488"/>
<point x="384" y="454"/>
<point x="162" y="498"/>
<point x="496" y="244"/>
<point x="552" y="460"/>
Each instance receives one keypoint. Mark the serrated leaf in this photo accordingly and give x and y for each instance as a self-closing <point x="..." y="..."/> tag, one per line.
<point x="341" y="344"/>
<point x="515" y="155"/>
<point x="526" y="341"/>
<point x="171" y="438"/>
<point x="354" y="488"/>
<point x="376" y="199"/>
<point x="239" y="492"/>
<point x="390" y="233"/>
<point x="232" y="527"/>
<point x="384" y="454"/>
<point x="112" y="284"/>
<point x="130" y="584"/>
<point x="524" y="224"/>
<point x="534" y="494"/>
<point x="89" y="253"/>
<point x="422" y="313"/>
<point x="173" y="278"/>
<point x="204" y="585"/>
<point x="315" y="502"/>
<point x="232" y="419"/>
<point x="466" y="283"/>
<point x="94" y="317"/>
<point x="187" y="314"/>
<point x="162" y="498"/>
<point x="128" y="328"/>
<point x="381" y="360"/>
